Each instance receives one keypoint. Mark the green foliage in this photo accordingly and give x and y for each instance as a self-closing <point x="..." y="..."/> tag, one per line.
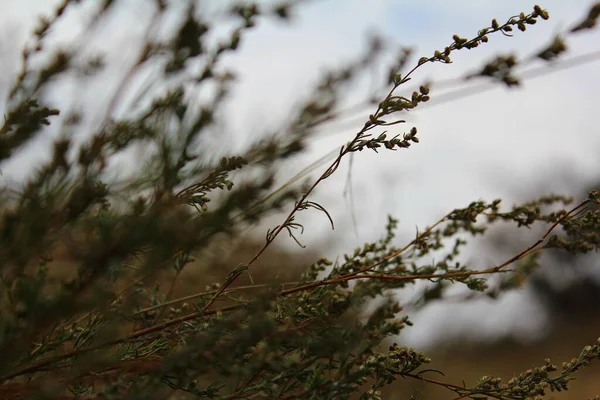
<point x="102" y="324"/>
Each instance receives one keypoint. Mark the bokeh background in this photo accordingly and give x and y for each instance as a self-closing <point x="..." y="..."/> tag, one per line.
<point x="478" y="141"/>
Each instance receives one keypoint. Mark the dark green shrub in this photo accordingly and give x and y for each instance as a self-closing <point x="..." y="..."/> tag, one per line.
<point x="101" y="323"/>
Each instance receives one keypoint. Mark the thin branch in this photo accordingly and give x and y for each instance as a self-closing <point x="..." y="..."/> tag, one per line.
<point x="352" y="276"/>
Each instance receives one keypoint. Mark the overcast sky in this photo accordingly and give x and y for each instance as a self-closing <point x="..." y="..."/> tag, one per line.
<point x="494" y="145"/>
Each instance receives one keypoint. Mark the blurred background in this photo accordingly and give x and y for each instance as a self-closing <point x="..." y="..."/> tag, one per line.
<point x="478" y="141"/>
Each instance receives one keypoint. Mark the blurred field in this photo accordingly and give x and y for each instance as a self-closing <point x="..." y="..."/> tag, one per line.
<point x="471" y="361"/>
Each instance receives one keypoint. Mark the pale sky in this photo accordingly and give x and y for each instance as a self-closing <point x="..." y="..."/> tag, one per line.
<point x="493" y="145"/>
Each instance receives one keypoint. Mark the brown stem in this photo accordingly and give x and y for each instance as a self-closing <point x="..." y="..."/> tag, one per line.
<point x="355" y="275"/>
<point x="446" y="385"/>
